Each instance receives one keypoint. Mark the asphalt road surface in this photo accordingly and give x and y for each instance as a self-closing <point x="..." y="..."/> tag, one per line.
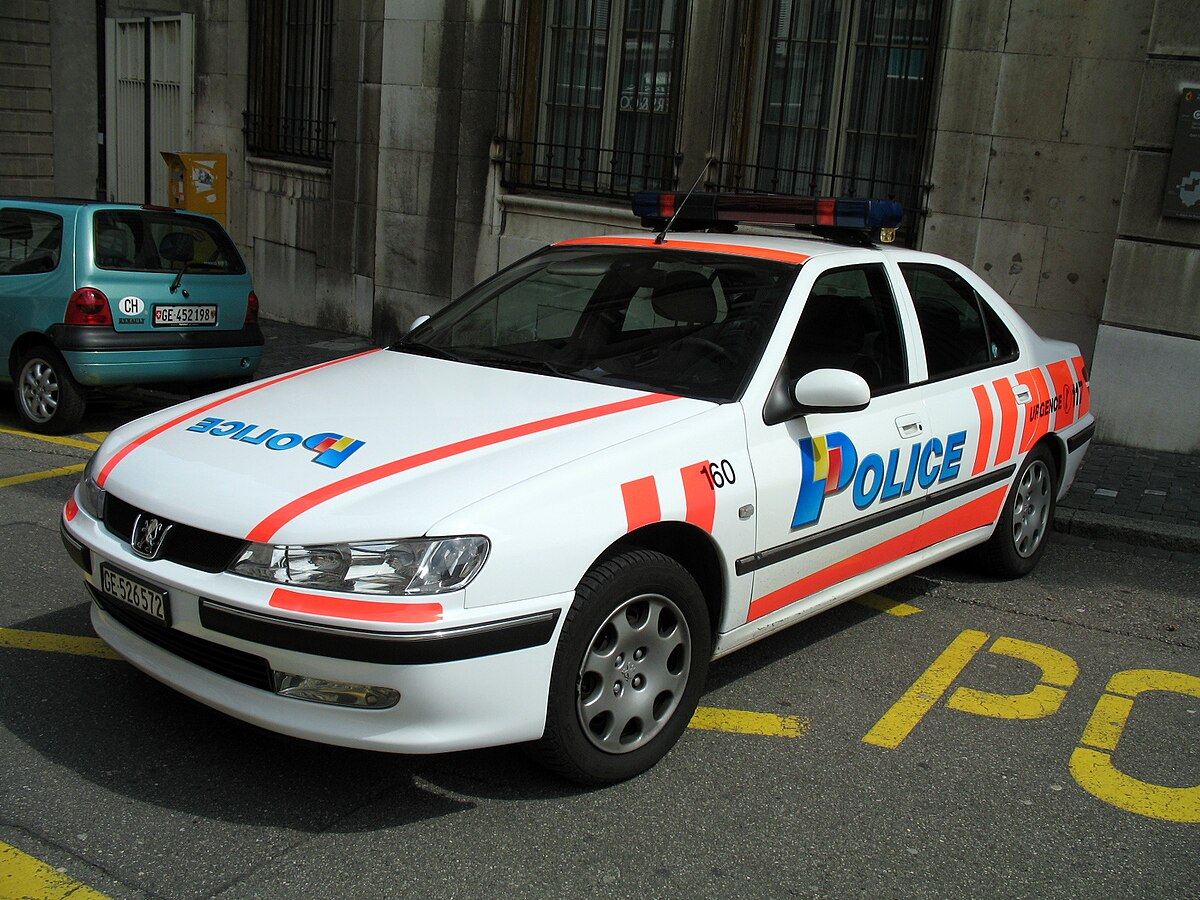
<point x="956" y="737"/>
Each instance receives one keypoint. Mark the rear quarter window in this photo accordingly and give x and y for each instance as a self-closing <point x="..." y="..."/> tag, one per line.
<point x="141" y="240"/>
<point x="30" y="241"/>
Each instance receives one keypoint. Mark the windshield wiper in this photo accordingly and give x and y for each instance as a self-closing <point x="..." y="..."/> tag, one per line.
<point x="419" y="349"/>
<point x="524" y="364"/>
<point x="179" y="277"/>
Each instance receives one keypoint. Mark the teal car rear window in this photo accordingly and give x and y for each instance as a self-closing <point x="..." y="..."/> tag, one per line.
<point x="145" y="240"/>
<point x="30" y="241"/>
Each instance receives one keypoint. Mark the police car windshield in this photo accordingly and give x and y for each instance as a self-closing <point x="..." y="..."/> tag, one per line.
<point x="680" y="322"/>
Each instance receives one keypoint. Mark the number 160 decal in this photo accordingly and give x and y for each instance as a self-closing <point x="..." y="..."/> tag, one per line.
<point x="719" y="474"/>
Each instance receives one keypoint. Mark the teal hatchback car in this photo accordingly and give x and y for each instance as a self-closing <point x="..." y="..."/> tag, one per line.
<point x="97" y="295"/>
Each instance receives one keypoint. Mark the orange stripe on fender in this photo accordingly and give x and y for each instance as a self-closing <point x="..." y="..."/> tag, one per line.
<point x="1085" y="395"/>
<point x="1008" y="419"/>
<point x="1037" y="418"/>
<point x="362" y="610"/>
<point x="641" y="502"/>
<point x="179" y="420"/>
<point x="976" y="514"/>
<point x="1062" y="386"/>
<point x="700" y="495"/>
<point x="986" y="421"/>
<point x="268" y="527"/>
<point x="787" y="256"/>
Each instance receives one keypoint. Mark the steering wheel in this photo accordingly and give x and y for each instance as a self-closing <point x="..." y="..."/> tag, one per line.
<point x="712" y="348"/>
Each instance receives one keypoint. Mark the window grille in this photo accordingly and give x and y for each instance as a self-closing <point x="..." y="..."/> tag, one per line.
<point x="840" y="104"/>
<point x="289" y="114"/>
<point x="594" y="99"/>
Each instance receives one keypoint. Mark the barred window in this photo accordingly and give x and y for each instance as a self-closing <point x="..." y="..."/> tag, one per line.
<point x="289" y="114"/>
<point x="836" y="97"/>
<point x="594" y="100"/>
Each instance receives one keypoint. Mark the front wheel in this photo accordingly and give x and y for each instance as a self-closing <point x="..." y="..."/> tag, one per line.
<point x="48" y="397"/>
<point x="1021" y="533"/>
<point x="629" y="669"/>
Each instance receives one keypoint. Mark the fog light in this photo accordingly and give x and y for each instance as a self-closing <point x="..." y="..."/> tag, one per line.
<point x="336" y="693"/>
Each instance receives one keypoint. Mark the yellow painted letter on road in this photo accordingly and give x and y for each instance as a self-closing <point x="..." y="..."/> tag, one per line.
<point x="899" y="721"/>
<point x="1059" y="672"/>
<point x="1094" y="769"/>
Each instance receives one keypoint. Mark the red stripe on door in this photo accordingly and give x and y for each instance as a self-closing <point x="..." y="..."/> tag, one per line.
<point x="641" y="502"/>
<point x="986" y="422"/>
<point x="191" y="414"/>
<point x="1008" y="419"/>
<point x="269" y="527"/>
<point x="362" y="610"/>
<point x="976" y="514"/>
<point x="700" y="495"/>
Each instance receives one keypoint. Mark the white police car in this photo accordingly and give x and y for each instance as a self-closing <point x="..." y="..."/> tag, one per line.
<point x="539" y="516"/>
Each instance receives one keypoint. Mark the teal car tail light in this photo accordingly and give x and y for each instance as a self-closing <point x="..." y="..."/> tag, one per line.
<point x="88" y="306"/>
<point x="252" y="309"/>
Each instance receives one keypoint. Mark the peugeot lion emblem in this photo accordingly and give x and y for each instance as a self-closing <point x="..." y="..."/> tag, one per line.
<point x="149" y="533"/>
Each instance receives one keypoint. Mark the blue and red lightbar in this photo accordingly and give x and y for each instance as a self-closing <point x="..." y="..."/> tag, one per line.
<point x="709" y="210"/>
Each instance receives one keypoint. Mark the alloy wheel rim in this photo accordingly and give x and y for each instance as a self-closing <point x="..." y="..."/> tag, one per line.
<point x="1031" y="509"/>
<point x="39" y="390"/>
<point x="633" y="673"/>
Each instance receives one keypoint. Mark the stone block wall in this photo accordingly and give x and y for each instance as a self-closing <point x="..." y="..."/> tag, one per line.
<point x="26" y="120"/>
<point x="1146" y="370"/>
<point x="1034" y="127"/>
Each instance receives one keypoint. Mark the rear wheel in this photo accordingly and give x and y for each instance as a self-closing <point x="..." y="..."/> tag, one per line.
<point x="629" y="669"/>
<point x="1021" y="533"/>
<point x="48" y="397"/>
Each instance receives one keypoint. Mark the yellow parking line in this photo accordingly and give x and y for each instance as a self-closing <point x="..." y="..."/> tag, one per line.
<point x="56" y="643"/>
<point x="22" y="876"/>
<point x="52" y="439"/>
<point x="97" y="436"/>
<point x="38" y="476"/>
<point x="738" y="721"/>
<point x="884" y="604"/>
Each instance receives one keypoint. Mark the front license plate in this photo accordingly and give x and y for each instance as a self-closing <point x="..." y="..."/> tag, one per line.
<point x="140" y="596"/>
<point x="184" y="315"/>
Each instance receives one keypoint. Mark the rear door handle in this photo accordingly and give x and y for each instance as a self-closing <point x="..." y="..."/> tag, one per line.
<point x="1023" y="394"/>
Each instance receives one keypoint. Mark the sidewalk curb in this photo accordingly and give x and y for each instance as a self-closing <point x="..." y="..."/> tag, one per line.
<point x="1109" y="527"/>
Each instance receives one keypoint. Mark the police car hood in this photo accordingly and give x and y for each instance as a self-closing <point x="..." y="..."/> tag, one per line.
<point x="381" y="445"/>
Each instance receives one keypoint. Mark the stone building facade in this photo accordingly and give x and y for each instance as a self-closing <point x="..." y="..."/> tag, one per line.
<point x="384" y="155"/>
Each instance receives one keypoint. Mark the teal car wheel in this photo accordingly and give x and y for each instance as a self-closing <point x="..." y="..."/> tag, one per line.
<point x="48" y="397"/>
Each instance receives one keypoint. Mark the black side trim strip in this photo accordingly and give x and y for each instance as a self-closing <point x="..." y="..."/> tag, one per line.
<point x="1080" y="439"/>
<point x="413" y="648"/>
<point x="795" y="548"/>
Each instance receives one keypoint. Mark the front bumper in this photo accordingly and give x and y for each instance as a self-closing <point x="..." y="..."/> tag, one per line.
<point x="464" y="682"/>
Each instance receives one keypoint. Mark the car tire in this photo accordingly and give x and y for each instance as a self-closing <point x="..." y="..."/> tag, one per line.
<point x="629" y="669"/>
<point x="48" y="397"/>
<point x="1025" y="522"/>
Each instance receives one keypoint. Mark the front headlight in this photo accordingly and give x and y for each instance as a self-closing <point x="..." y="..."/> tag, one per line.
<point x="403" y="567"/>
<point x="91" y="495"/>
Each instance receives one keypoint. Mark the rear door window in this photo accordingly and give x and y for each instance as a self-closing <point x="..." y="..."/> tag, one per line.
<point x="30" y="241"/>
<point x="142" y="240"/>
<point x="959" y="330"/>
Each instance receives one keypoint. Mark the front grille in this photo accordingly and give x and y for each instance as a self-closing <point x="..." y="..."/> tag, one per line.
<point x="188" y="546"/>
<point x="240" y="666"/>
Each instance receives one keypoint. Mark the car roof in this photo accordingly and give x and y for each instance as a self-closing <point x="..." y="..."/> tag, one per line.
<point x="782" y="247"/>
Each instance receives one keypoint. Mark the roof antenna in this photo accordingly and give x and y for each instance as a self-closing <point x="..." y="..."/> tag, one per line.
<point x="662" y="235"/>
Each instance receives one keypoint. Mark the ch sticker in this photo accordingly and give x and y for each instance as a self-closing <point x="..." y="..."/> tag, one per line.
<point x="1091" y="762"/>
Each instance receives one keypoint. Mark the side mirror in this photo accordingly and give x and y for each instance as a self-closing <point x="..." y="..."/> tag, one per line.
<point x="831" y="390"/>
<point x="417" y="323"/>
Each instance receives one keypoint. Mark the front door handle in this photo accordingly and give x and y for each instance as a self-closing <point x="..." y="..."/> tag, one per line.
<point x="909" y="426"/>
